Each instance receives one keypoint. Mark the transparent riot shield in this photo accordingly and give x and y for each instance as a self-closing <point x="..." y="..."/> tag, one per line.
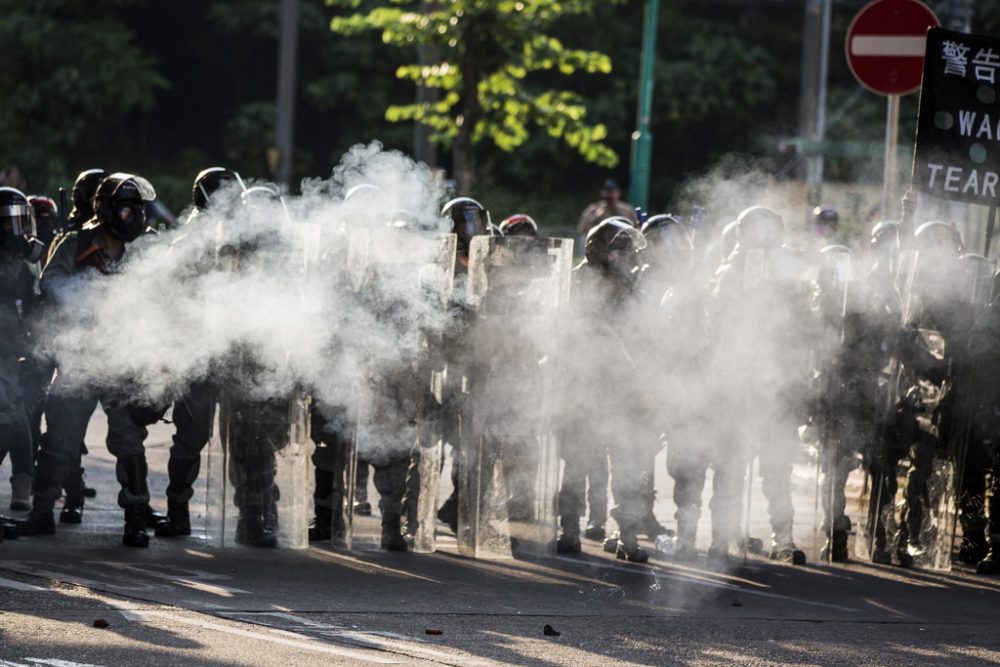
<point x="258" y="474"/>
<point x="397" y="272"/>
<point x="428" y="460"/>
<point x="508" y="456"/>
<point x="910" y="506"/>
<point x="837" y="423"/>
<point x="877" y="485"/>
<point x="975" y="276"/>
<point x="781" y="470"/>
<point x="258" y="456"/>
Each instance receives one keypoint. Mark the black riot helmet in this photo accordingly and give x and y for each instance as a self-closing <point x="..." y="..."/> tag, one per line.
<point x="15" y="216"/>
<point x="760" y="227"/>
<point x="120" y="205"/>
<point x="825" y="220"/>
<point x="16" y="225"/>
<point x="884" y="237"/>
<point x="614" y="244"/>
<point x="469" y="218"/>
<point x="519" y="224"/>
<point x="46" y="217"/>
<point x="209" y="181"/>
<point x="84" y="190"/>
<point x="938" y="238"/>
<point x="667" y="233"/>
<point x="365" y="192"/>
<point x="260" y="194"/>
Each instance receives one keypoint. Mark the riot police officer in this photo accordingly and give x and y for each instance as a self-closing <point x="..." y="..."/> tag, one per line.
<point x="17" y="299"/>
<point x="192" y="414"/>
<point x="468" y="218"/>
<point x="518" y="224"/>
<point x="604" y="290"/>
<point x="100" y="247"/>
<point x="757" y="308"/>
<point x="83" y="193"/>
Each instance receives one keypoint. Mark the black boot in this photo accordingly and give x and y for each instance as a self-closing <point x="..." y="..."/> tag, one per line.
<point x="321" y="527"/>
<point x="974" y="548"/>
<point x="783" y="549"/>
<point x="448" y="513"/>
<point x="10" y="529"/>
<point x="134" y="499"/>
<point x="569" y="541"/>
<point x="253" y="530"/>
<point x="135" y="534"/>
<point x="72" y="511"/>
<point x="594" y="531"/>
<point x="990" y="565"/>
<point x="904" y="553"/>
<point x="87" y="491"/>
<point x="154" y="518"/>
<point x="629" y="549"/>
<point x="50" y="476"/>
<point x="392" y="536"/>
<point x="835" y="550"/>
<point x="177" y="523"/>
<point x="71" y="514"/>
<point x="40" y="521"/>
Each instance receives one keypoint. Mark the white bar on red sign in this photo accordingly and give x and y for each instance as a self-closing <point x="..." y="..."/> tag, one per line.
<point x="888" y="46"/>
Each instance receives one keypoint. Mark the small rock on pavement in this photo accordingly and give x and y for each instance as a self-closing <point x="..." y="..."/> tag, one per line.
<point x="737" y="602"/>
<point x="432" y="631"/>
<point x="549" y="631"/>
<point x="101" y="623"/>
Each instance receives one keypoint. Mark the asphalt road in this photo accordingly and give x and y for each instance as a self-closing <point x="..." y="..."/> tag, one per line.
<point x="182" y="603"/>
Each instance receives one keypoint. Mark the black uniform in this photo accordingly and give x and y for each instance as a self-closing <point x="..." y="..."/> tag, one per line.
<point x="120" y="216"/>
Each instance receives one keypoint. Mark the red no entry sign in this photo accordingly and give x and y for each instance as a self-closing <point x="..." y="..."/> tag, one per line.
<point x="885" y="45"/>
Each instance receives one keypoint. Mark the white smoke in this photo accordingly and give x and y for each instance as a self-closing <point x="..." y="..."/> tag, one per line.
<point x="264" y="298"/>
<point x="718" y="373"/>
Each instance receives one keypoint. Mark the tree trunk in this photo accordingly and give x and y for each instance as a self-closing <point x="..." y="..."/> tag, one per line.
<point x="463" y="160"/>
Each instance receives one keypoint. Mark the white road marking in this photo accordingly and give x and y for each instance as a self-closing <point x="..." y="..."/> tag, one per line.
<point x="661" y="574"/>
<point x="290" y="639"/>
<point x="52" y="662"/>
<point x="889" y="46"/>
<point x="21" y="586"/>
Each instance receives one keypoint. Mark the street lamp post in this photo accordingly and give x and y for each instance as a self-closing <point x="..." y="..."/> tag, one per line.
<point x="642" y="138"/>
<point x="284" y="130"/>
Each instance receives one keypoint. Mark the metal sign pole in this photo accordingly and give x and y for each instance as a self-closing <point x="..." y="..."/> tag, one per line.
<point x="990" y="223"/>
<point x="891" y="143"/>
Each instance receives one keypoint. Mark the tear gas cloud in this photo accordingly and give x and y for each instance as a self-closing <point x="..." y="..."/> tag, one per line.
<point x="722" y="367"/>
<point x="260" y="297"/>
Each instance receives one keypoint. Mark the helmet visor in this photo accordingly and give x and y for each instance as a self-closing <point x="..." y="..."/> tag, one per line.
<point x="15" y="219"/>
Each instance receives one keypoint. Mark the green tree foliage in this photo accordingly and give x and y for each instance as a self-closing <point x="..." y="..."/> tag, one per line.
<point x="71" y="71"/>
<point x="497" y="69"/>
